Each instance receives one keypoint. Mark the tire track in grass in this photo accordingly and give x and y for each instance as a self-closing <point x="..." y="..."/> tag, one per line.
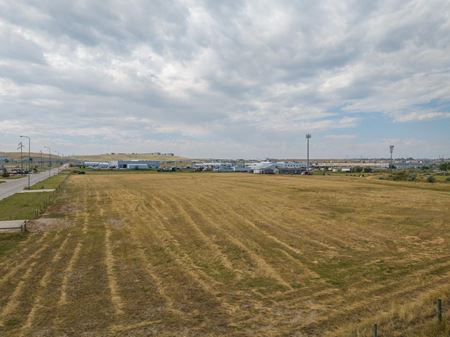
<point x="144" y="303"/>
<point x="267" y="212"/>
<point x="294" y="254"/>
<point x="240" y="261"/>
<point x="23" y="248"/>
<point x="34" y="265"/>
<point x="262" y="264"/>
<point x="76" y="252"/>
<point x="115" y="297"/>
<point x="252" y="210"/>
<point x="43" y="284"/>
<point x="200" y="295"/>
<point x="84" y="304"/>
<point x="258" y="260"/>
<point x="242" y="310"/>
<point x="176" y="249"/>
<point x="357" y="305"/>
<point x="15" y="269"/>
<point x="8" y="279"/>
<point x="364" y="310"/>
<point x="144" y="261"/>
<point x="67" y="273"/>
<point x="212" y="246"/>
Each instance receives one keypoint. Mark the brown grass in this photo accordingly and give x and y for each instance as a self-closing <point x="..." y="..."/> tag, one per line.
<point x="233" y="255"/>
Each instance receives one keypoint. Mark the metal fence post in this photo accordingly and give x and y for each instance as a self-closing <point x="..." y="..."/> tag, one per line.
<point x="439" y="309"/>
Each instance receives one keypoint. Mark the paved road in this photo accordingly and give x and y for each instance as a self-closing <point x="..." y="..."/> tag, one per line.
<point x="16" y="185"/>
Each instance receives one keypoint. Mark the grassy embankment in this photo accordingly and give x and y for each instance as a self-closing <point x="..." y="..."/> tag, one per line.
<point x="25" y="206"/>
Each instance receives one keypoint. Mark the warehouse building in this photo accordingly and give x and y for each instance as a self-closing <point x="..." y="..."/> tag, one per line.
<point x="124" y="164"/>
<point x="136" y="164"/>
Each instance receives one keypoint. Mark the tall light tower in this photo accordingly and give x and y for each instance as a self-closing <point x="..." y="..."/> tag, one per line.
<point x="391" y="149"/>
<point x="29" y="159"/>
<point x="308" y="137"/>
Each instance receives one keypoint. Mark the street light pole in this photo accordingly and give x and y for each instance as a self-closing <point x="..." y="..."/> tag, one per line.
<point x="49" y="160"/>
<point x="20" y="146"/>
<point x="29" y="159"/>
<point x="308" y="137"/>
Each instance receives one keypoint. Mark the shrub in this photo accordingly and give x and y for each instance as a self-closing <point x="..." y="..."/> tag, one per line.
<point x="444" y="166"/>
<point x="5" y="173"/>
<point x="412" y="176"/>
<point x="448" y="179"/>
<point x="431" y="179"/>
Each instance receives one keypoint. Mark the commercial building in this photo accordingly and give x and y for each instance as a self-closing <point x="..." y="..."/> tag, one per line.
<point x="124" y="164"/>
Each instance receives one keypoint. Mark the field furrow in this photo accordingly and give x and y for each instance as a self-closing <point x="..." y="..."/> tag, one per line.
<point x="144" y="254"/>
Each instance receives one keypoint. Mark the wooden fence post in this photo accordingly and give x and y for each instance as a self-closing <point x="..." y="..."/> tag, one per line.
<point x="375" y="330"/>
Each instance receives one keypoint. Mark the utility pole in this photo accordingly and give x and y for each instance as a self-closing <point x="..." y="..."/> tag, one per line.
<point x="29" y="159"/>
<point x="49" y="160"/>
<point x="41" y="161"/>
<point x="391" y="149"/>
<point x="308" y="137"/>
<point x="20" y="147"/>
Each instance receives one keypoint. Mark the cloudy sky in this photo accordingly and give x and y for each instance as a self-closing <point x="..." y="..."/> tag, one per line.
<point x="227" y="78"/>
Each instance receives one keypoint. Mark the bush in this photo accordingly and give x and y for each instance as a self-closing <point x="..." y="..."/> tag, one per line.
<point x="431" y="179"/>
<point x="399" y="176"/>
<point x="444" y="166"/>
<point x="5" y="173"/>
<point x="412" y="176"/>
<point x="448" y="179"/>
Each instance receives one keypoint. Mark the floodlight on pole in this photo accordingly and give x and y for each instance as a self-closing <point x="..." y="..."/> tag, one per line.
<point x="308" y="137"/>
<point x="49" y="160"/>
<point x="29" y="159"/>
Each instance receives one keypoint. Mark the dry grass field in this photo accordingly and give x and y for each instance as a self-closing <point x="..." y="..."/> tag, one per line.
<point x="231" y="255"/>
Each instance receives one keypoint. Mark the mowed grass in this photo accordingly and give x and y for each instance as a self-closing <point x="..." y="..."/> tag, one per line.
<point x="233" y="255"/>
<point x="22" y="206"/>
<point x="51" y="183"/>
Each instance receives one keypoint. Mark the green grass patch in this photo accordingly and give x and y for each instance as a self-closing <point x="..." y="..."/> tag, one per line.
<point x="52" y="182"/>
<point x="22" y="205"/>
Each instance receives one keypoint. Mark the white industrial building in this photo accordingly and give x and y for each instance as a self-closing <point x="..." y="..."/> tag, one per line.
<point x="124" y="164"/>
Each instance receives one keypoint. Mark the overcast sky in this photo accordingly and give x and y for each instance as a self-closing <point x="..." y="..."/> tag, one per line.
<point x="235" y="79"/>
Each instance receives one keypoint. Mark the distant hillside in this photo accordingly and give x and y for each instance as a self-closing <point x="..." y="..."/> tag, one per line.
<point x="128" y="156"/>
<point x="34" y="155"/>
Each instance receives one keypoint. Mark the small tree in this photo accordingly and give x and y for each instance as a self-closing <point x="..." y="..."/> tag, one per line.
<point x="5" y="173"/>
<point x="444" y="166"/>
<point x="431" y="179"/>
